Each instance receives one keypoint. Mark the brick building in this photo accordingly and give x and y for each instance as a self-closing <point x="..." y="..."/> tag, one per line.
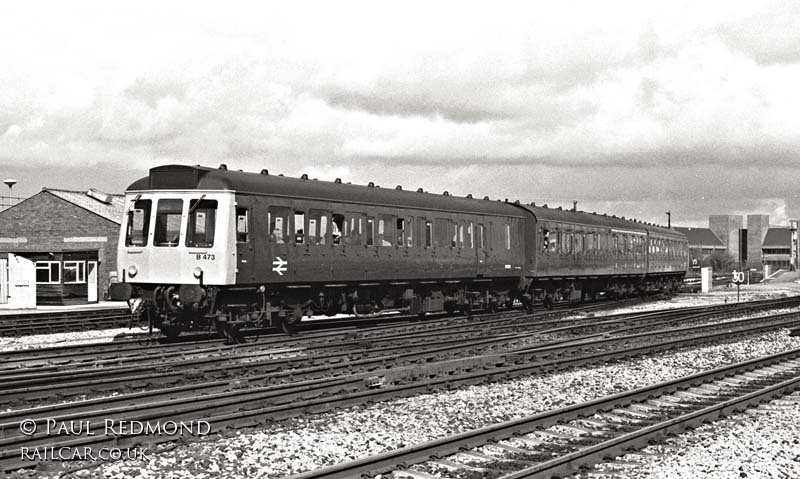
<point x="702" y="244"/>
<point x="72" y="236"/>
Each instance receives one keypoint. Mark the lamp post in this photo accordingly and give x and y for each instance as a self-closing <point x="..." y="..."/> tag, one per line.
<point x="10" y="183"/>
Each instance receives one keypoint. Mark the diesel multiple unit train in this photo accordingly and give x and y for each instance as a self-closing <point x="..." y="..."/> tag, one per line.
<point x="204" y="247"/>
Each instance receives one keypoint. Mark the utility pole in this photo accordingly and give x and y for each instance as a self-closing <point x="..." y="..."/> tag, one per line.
<point x="669" y="219"/>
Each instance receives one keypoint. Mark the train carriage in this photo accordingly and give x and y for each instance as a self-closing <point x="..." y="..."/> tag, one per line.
<point x="234" y="247"/>
<point x="206" y="247"/>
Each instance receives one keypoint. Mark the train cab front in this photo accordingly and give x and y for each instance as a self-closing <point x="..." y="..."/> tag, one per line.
<point x="176" y="249"/>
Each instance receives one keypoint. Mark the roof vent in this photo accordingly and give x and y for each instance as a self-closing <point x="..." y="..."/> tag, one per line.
<point x="516" y="202"/>
<point x="533" y="203"/>
<point x="506" y="200"/>
<point x="223" y="166"/>
<point x="371" y="184"/>
<point x="559" y="208"/>
<point x="420" y="190"/>
<point x="485" y="197"/>
<point x="101" y="197"/>
<point x="544" y="205"/>
<point x="338" y="181"/>
<point x="265" y="171"/>
<point x="446" y="193"/>
<point x="304" y="177"/>
<point x="399" y="187"/>
<point x="469" y="195"/>
<point x="281" y="174"/>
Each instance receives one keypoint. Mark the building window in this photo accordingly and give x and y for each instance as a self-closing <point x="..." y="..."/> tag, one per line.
<point x="48" y="272"/>
<point x="74" y="272"/>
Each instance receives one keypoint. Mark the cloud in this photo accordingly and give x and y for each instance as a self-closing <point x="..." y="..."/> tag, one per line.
<point x="644" y="103"/>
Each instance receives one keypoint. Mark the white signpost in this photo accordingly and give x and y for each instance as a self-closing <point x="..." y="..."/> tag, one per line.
<point x="705" y="279"/>
<point x="737" y="279"/>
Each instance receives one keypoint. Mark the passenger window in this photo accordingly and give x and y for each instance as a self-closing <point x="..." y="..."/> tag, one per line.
<point x="461" y="235"/>
<point x="202" y="221"/>
<point x="337" y="226"/>
<point x="168" y="222"/>
<point x="317" y="227"/>
<point x="508" y="236"/>
<point x="299" y="224"/>
<point x="401" y="231"/>
<point x="138" y="223"/>
<point x="241" y="225"/>
<point x="386" y="230"/>
<point x="409" y="229"/>
<point x="355" y="229"/>
<point x="442" y="233"/>
<point x="470" y="238"/>
<point x="278" y="219"/>
<point x="370" y="231"/>
<point x="481" y="237"/>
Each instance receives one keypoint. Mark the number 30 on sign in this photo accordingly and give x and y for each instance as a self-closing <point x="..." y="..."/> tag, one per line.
<point x="738" y="277"/>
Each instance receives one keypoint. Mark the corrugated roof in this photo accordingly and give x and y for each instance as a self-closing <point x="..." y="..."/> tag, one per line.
<point x="778" y="238"/>
<point x="108" y="206"/>
<point x="701" y="237"/>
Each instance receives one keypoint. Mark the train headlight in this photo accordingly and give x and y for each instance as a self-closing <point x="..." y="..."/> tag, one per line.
<point x="132" y="270"/>
<point x="198" y="272"/>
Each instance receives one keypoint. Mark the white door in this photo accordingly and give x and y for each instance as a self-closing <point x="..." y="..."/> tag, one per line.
<point x="21" y="281"/>
<point x="91" y="280"/>
<point x="4" y="293"/>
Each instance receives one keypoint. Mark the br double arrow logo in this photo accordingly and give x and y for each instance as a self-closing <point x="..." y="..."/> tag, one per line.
<point x="279" y="265"/>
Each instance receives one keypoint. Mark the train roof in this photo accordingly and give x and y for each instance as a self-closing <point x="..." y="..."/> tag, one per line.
<point x="600" y="220"/>
<point x="182" y="177"/>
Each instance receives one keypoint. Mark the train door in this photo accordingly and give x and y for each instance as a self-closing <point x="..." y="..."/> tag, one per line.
<point x="279" y="240"/>
<point x="481" y="249"/>
<point x="319" y="247"/>
<point x="245" y="253"/>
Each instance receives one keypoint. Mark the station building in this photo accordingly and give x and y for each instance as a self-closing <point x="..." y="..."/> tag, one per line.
<point x="753" y="243"/>
<point x="702" y="244"/>
<point x="71" y="237"/>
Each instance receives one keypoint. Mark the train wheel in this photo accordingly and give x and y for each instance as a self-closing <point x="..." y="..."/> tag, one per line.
<point x="170" y="331"/>
<point x="291" y="323"/>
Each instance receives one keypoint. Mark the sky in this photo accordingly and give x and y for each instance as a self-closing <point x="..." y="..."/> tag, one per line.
<point x="629" y="108"/>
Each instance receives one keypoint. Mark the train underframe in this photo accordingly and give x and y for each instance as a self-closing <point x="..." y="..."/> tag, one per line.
<point x="234" y="310"/>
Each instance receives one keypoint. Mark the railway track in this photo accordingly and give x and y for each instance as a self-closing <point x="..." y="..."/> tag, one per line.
<point x="23" y="324"/>
<point x="247" y="401"/>
<point x="272" y="362"/>
<point x="561" y="441"/>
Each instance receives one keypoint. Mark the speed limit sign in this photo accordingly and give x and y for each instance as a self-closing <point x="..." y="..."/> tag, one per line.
<point x="738" y="277"/>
